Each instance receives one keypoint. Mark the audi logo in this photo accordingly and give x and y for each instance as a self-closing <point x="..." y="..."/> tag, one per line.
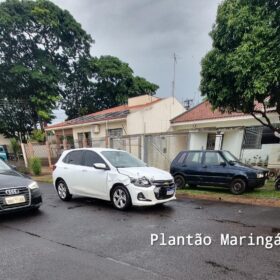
<point x="12" y="192"/>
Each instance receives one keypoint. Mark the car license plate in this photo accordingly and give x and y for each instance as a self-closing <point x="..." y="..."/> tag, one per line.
<point x="170" y="191"/>
<point x="15" y="199"/>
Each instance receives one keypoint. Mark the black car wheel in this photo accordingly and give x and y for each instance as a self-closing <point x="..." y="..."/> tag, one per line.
<point x="180" y="181"/>
<point x="121" y="198"/>
<point x="63" y="191"/>
<point x="238" y="186"/>
<point x="277" y="185"/>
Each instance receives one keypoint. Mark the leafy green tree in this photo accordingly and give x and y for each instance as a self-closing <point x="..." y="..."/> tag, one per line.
<point x="39" y="46"/>
<point x="101" y="83"/>
<point x="243" y="66"/>
<point x="38" y="135"/>
<point x="15" y="119"/>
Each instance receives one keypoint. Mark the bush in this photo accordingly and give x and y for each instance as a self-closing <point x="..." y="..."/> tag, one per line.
<point x="35" y="165"/>
<point x="15" y="146"/>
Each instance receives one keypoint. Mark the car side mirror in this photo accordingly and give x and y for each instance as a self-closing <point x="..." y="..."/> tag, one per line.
<point x="100" y="166"/>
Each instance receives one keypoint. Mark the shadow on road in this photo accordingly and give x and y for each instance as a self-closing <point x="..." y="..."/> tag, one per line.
<point x="101" y="205"/>
<point x="23" y="215"/>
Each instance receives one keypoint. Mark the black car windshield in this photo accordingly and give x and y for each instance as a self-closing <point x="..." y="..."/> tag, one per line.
<point x="121" y="159"/>
<point x="4" y="166"/>
<point x="230" y="157"/>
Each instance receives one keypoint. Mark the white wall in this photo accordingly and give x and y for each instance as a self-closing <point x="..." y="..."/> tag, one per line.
<point x="102" y="129"/>
<point x="233" y="141"/>
<point x="4" y="141"/>
<point x="197" y="140"/>
<point x="155" y="118"/>
<point x="272" y="151"/>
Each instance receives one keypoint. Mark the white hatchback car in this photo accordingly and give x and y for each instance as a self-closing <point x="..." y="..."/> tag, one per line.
<point x="111" y="175"/>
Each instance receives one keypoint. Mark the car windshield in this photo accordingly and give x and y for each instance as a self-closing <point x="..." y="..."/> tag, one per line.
<point x="4" y="166"/>
<point x="230" y="157"/>
<point x="121" y="159"/>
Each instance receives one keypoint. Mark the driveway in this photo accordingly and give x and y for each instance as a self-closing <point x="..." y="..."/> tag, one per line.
<point x="88" y="239"/>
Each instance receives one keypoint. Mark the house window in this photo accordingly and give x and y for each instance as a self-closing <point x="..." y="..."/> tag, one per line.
<point x="252" y="137"/>
<point x="115" y="133"/>
<point x="211" y="139"/>
<point x="82" y="136"/>
<point x="268" y="137"/>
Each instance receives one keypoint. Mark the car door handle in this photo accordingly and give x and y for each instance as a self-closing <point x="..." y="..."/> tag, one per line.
<point x="65" y="168"/>
<point x="83" y="170"/>
<point x="204" y="166"/>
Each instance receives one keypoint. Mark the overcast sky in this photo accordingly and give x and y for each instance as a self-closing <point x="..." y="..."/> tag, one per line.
<point x="146" y="33"/>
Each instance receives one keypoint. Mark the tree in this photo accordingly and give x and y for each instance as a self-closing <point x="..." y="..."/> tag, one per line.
<point x="243" y="67"/>
<point x="15" y="119"/>
<point x="39" y="46"/>
<point x="101" y="83"/>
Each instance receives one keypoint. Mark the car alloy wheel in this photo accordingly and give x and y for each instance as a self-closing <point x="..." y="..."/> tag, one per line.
<point x="63" y="191"/>
<point x="121" y="198"/>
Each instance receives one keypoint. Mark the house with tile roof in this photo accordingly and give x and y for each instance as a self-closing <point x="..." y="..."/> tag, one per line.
<point x="238" y="133"/>
<point x="140" y="116"/>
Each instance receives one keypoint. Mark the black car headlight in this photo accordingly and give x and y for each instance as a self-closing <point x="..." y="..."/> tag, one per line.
<point x="140" y="182"/>
<point x="260" y="175"/>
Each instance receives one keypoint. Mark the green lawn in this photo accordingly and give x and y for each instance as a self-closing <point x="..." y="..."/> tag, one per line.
<point x="43" y="178"/>
<point x="267" y="191"/>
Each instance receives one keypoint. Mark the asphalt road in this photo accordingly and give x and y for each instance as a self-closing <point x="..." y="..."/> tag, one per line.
<point x="88" y="239"/>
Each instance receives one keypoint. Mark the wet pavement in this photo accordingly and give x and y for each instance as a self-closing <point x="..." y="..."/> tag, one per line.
<point x="89" y="239"/>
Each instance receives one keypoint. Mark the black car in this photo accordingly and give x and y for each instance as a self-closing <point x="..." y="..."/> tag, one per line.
<point x="216" y="168"/>
<point x="17" y="192"/>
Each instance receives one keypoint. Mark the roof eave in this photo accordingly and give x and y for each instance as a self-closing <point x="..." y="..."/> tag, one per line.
<point x="83" y="124"/>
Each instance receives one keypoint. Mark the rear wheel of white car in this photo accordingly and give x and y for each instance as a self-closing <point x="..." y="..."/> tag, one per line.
<point x="121" y="198"/>
<point x="63" y="191"/>
<point x="238" y="186"/>
<point x="180" y="181"/>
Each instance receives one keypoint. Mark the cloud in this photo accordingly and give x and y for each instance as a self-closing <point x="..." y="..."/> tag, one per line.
<point x="146" y="33"/>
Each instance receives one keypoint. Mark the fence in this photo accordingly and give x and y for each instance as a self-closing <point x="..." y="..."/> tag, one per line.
<point x="41" y="151"/>
<point x="156" y="150"/>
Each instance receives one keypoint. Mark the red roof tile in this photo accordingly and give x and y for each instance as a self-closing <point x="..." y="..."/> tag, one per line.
<point x="202" y="111"/>
<point x="118" y="112"/>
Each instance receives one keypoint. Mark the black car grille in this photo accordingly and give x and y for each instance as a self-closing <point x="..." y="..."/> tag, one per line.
<point x="163" y="186"/>
<point x="20" y="191"/>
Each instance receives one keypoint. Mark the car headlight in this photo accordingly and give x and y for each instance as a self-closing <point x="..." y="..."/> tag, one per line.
<point x="140" y="182"/>
<point x="260" y="175"/>
<point x="33" y="186"/>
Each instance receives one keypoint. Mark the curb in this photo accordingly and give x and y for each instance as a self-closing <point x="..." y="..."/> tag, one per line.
<point x="269" y="202"/>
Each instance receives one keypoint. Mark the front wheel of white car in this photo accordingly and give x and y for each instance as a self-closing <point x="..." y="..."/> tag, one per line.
<point x="121" y="198"/>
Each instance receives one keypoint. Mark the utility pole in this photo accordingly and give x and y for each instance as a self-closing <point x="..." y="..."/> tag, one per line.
<point x="174" y="75"/>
